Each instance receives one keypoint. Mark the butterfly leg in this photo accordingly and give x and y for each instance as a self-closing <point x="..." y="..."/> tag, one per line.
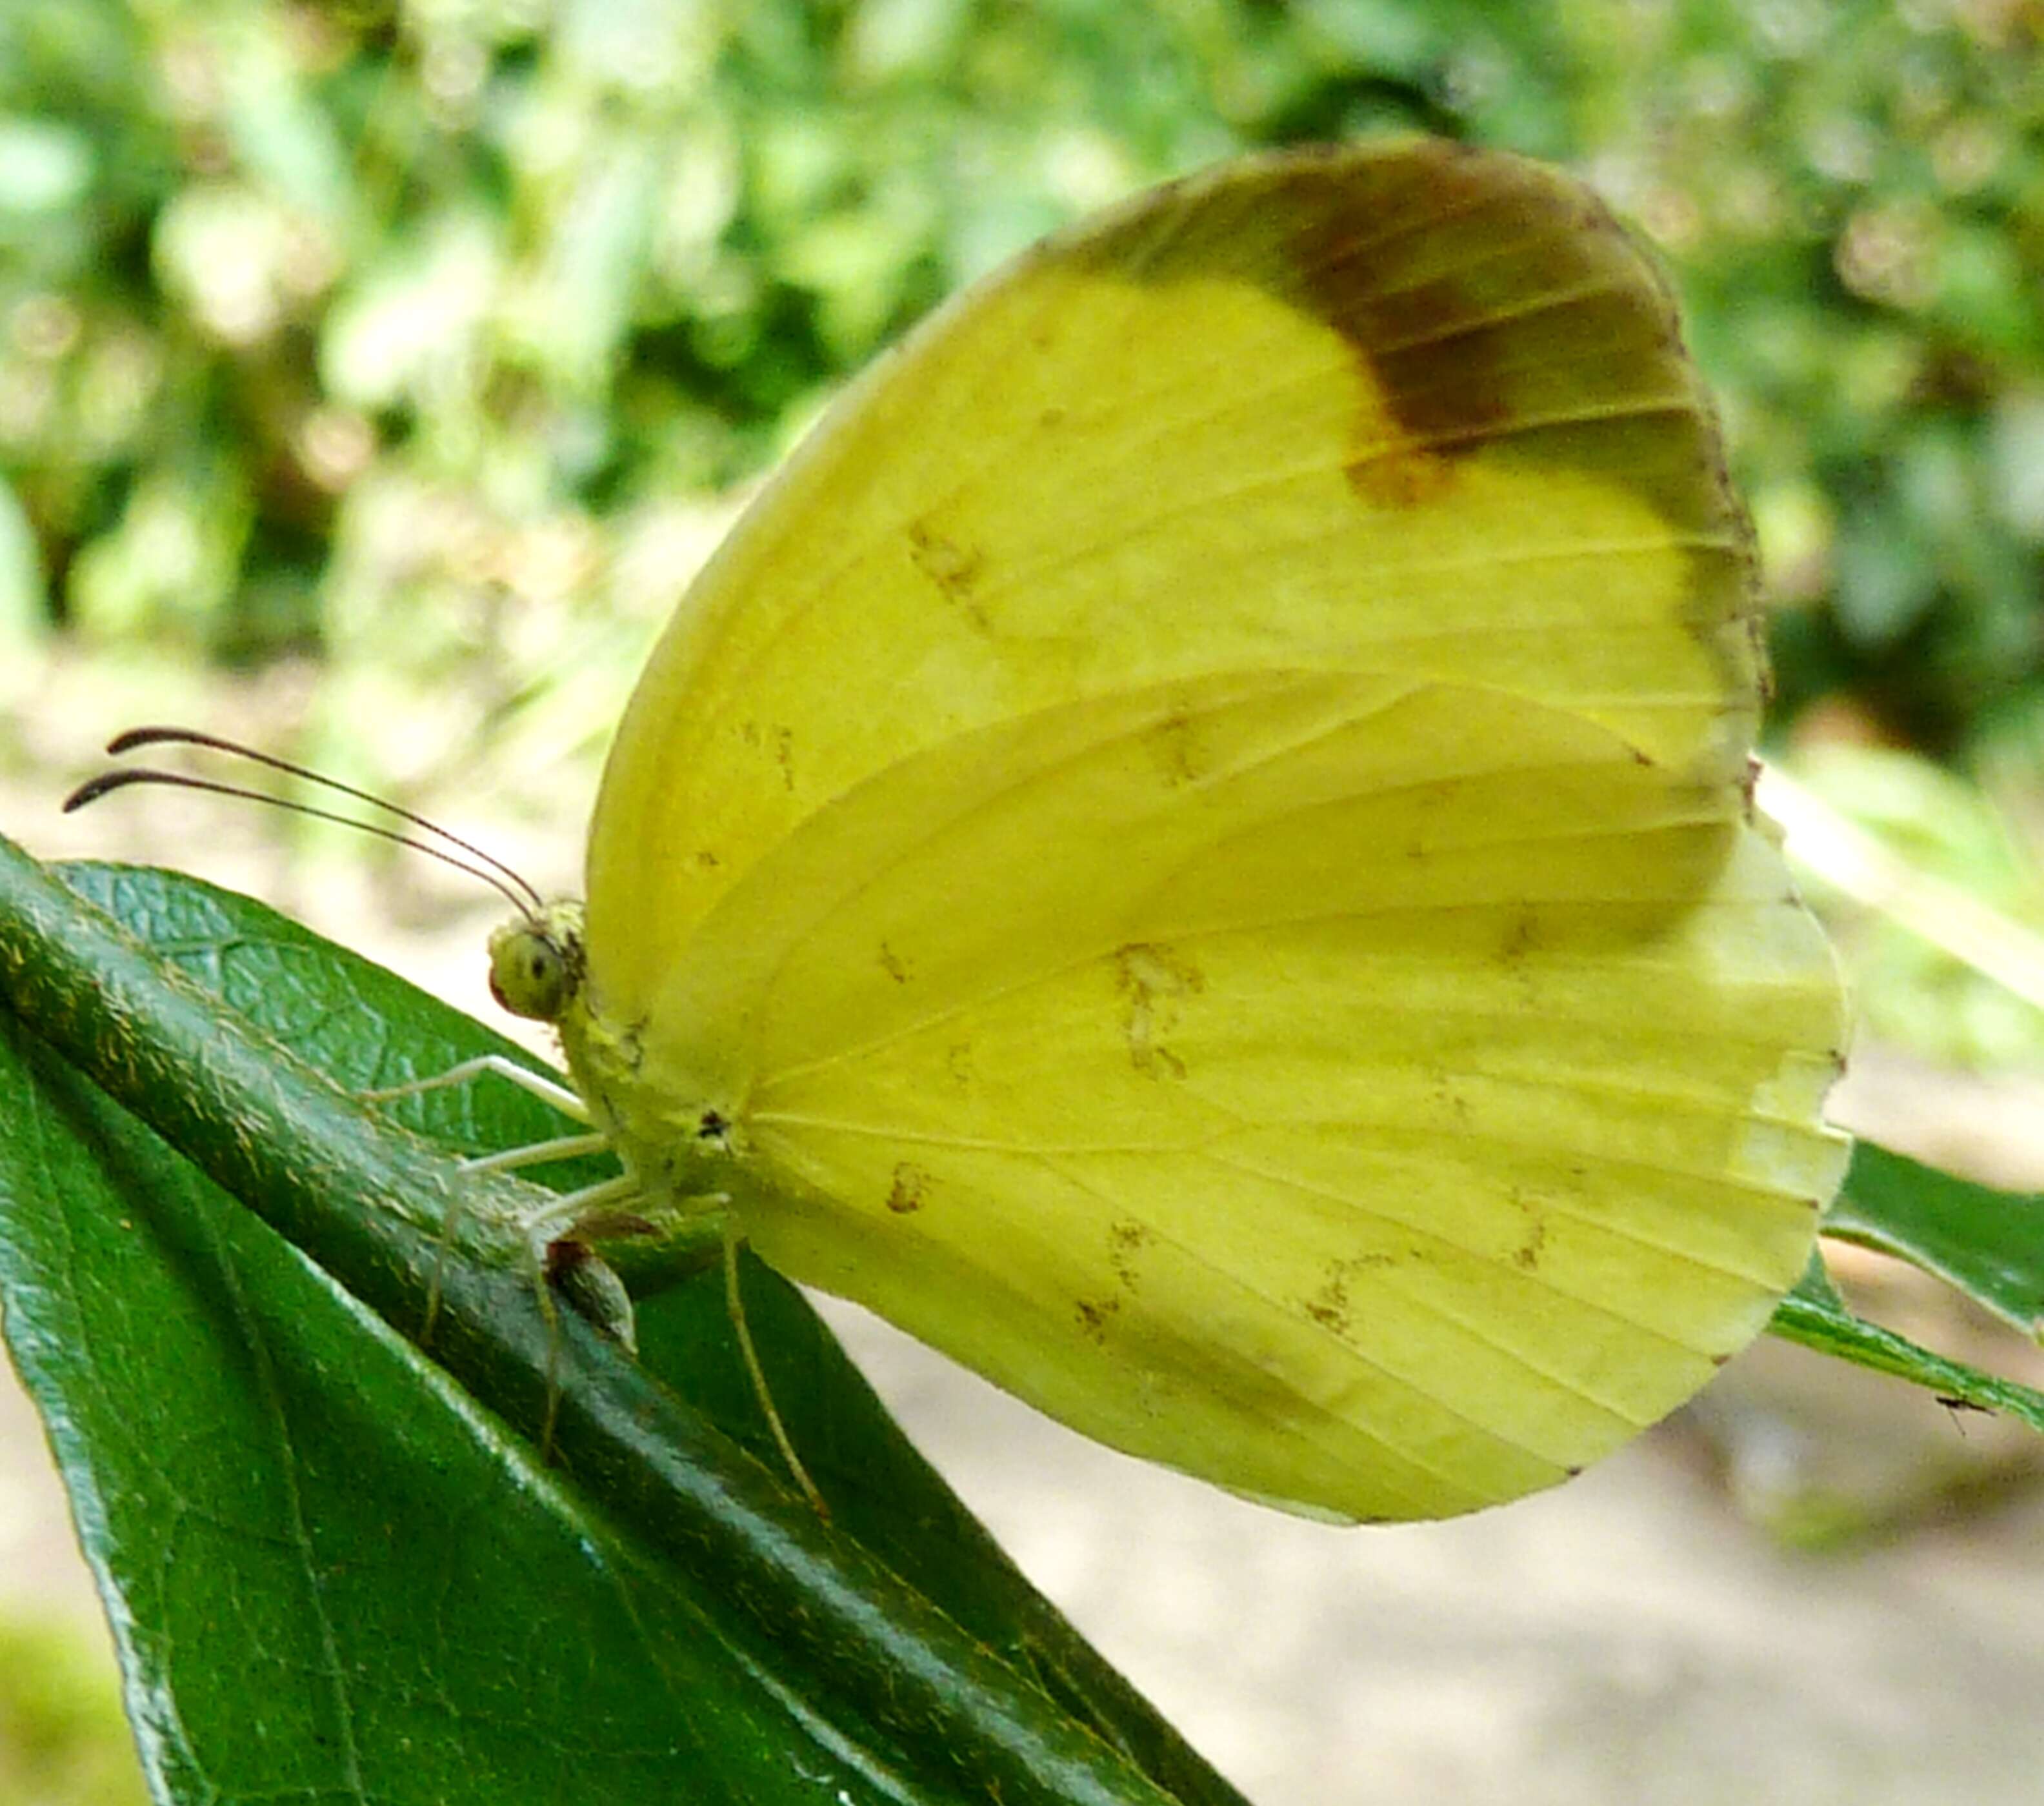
<point x="567" y="1101"/>
<point x="597" y="1295"/>
<point x="505" y="1159"/>
<point x="735" y="1302"/>
<point x="538" y="1153"/>
<point x="566" y="1212"/>
<point x="558" y="1219"/>
<point x="564" y="1261"/>
<point x="591" y="1212"/>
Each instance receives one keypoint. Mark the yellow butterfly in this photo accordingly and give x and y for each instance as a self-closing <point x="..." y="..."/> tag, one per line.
<point x="1194" y="849"/>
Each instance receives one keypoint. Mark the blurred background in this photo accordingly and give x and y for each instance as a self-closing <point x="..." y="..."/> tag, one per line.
<point x="374" y="374"/>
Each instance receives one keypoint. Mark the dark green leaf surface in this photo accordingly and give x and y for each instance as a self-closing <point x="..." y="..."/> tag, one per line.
<point x="334" y="1571"/>
<point x="330" y="1572"/>
<point x="1988" y="1243"/>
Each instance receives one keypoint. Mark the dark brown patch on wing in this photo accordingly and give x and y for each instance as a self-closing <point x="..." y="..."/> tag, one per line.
<point x="1488" y="302"/>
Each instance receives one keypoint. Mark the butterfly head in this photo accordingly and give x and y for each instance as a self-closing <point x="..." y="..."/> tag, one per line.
<point x="537" y="962"/>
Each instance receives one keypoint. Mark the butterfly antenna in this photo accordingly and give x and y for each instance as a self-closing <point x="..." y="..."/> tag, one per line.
<point x="490" y="869"/>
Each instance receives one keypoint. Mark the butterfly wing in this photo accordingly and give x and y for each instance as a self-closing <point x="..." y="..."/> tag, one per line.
<point x="1197" y="838"/>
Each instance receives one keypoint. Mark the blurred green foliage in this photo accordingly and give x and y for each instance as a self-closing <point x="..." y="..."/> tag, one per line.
<point x="1854" y="198"/>
<point x="1938" y="830"/>
<point x="64" y="1741"/>
<point x="413" y="334"/>
<point x="416" y="334"/>
<point x="318" y="322"/>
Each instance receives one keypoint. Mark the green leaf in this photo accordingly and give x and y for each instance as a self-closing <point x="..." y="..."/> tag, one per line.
<point x="1989" y="1244"/>
<point x="1814" y="1315"/>
<point x="337" y="1565"/>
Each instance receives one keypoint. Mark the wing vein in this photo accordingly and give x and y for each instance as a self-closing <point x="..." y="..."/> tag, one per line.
<point x="1261" y="925"/>
<point x="1298" y="1316"/>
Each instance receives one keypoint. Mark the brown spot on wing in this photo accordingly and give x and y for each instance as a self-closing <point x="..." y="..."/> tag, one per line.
<point x="1126" y="1239"/>
<point x="1153" y="981"/>
<point x="1175" y="744"/>
<point x="904" y="1194"/>
<point x="954" y="568"/>
<point x="1330" y="1305"/>
<point x="1094" y="1315"/>
<point x="1521" y="934"/>
<point x="1328" y="1316"/>
<point x="777" y="742"/>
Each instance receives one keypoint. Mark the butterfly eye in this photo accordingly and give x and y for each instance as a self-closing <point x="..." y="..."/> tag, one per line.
<point x="530" y="972"/>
